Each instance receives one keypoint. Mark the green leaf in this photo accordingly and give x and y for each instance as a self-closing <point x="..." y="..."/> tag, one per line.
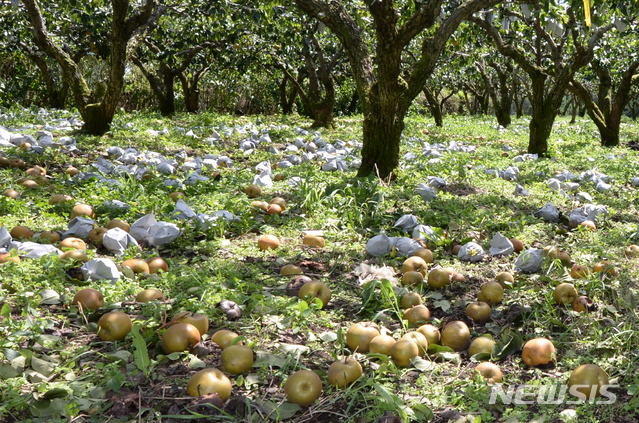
<point x="173" y="356"/>
<point x="302" y="307"/>
<point x="121" y="356"/>
<point x="511" y="346"/>
<point x="443" y="304"/>
<point x="271" y="359"/>
<point x="140" y="352"/>
<point x="238" y="340"/>
<point x="284" y="411"/>
<point x="6" y="310"/>
<point x="48" y="341"/>
<point x="7" y="371"/>
<point x="41" y="366"/>
<point x="368" y="293"/>
<point x="56" y="393"/>
<point x="452" y="357"/>
<point x="435" y="348"/>
<point x="383" y="392"/>
<point x="423" y="412"/>
<point x="196" y="363"/>
<point x="434" y="295"/>
<point x="239" y="381"/>
<point x="483" y="356"/>
<point x="421" y="364"/>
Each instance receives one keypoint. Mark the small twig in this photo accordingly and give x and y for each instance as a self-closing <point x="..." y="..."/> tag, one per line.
<point x="381" y="181"/>
<point x="269" y="387"/>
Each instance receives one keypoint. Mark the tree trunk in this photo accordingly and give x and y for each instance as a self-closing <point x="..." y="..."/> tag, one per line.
<point x="433" y="106"/>
<point x="484" y="103"/>
<point x="191" y="90"/>
<point x="382" y="128"/>
<point x="191" y="98"/>
<point x="323" y="112"/>
<point x="569" y="103"/>
<point x="540" y="129"/>
<point x="321" y="104"/>
<point x="468" y="107"/>
<point x="167" y="101"/>
<point x="385" y="92"/>
<point x="161" y="85"/>
<point x="503" y="106"/>
<point x="97" y="113"/>
<point x="503" y="116"/>
<point x="501" y="96"/>
<point x="609" y="136"/>
<point x="352" y="107"/>
<point x="519" y="106"/>
<point x="573" y="114"/>
<point x="582" y="111"/>
<point x="543" y="117"/>
<point x="95" y="119"/>
<point x="287" y="99"/>
<point x="322" y="108"/>
<point x="56" y="96"/>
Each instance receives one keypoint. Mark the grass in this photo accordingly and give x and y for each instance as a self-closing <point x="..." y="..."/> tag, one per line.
<point x="61" y="371"/>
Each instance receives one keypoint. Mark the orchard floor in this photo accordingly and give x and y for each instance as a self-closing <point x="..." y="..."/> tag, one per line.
<point x="56" y="369"/>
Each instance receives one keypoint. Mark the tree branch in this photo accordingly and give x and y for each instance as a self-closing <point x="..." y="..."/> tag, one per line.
<point x="139" y="18"/>
<point x="432" y="47"/>
<point x="507" y="49"/>
<point x="335" y="58"/>
<point x="582" y="93"/>
<point x="420" y="20"/>
<point x="295" y="82"/>
<point x="335" y="16"/>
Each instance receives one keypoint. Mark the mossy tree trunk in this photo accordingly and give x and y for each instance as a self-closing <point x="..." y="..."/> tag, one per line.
<point x="162" y="81"/>
<point x="57" y="85"/>
<point x="433" y="106"/>
<point x="573" y="113"/>
<point x="547" y="92"/>
<point x="607" y="109"/>
<point x="385" y="92"/>
<point x="521" y="93"/>
<point x="191" y="89"/>
<point x="501" y="93"/>
<point x="287" y="98"/>
<point x="97" y="111"/>
<point x="544" y="112"/>
<point x="319" y="97"/>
